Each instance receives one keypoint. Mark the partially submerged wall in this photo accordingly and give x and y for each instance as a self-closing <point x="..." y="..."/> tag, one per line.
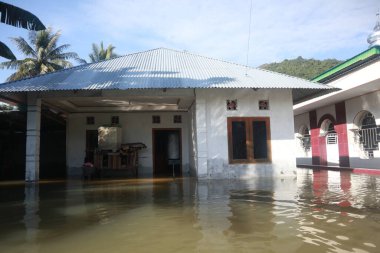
<point x="213" y="137"/>
<point x="136" y="127"/>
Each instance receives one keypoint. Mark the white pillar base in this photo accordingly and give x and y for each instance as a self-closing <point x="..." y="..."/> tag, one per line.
<point x="33" y="126"/>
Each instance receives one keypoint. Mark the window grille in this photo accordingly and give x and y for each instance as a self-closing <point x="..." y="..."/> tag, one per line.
<point x="332" y="138"/>
<point x="305" y="140"/>
<point x="369" y="138"/>
<point x="368" y="135"/>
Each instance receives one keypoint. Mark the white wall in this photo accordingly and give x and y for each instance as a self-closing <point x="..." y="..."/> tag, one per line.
<point x="281" y="125"/>
<point x="192" y="141"/>
<point x="369" y="102"/>
<point x="136" y="127"/>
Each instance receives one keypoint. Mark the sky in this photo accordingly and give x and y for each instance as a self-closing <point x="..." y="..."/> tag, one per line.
<point x="280" y="29"/>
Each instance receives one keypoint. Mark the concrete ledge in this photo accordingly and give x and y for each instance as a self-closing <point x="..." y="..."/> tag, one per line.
<point x="337" y="168"/>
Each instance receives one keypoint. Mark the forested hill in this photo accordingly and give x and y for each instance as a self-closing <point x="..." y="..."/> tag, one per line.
<point x="300" y="67"/>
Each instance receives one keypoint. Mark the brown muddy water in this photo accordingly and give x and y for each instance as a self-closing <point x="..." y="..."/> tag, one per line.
<point x="315" y="212"/>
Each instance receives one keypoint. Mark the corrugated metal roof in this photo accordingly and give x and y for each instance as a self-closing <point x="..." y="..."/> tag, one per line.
<point x="159" y="68"/>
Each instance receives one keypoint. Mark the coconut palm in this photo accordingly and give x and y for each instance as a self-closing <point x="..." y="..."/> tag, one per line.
<point x="100" y="54"/>
<point x="15" y="16"/>
<point x="42" y="55"/>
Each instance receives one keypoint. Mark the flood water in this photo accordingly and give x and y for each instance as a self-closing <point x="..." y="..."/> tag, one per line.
<point x="318" y="211"/>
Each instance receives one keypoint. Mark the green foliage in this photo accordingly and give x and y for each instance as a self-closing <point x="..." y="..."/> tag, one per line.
<point x="300" y="67"/>
<point x="99" y="53"/>
<point x="6" y="52"/>
<point x="43" y="55"/>
<point x="15" y="16"/>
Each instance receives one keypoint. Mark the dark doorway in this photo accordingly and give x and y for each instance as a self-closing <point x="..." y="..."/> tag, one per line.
<point x="91" y="145"/>
<point x="12" y="145"/>
<point x="52" y="145"/>
<point x="167" y="152"/>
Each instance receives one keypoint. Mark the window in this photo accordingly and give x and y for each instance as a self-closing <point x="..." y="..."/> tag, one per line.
<point x="156" y="119"/>
<point x="177" y="119"/>
<point x="114" y="120"/>
<point x="369" y="134"/>
<point x="249" y="139"/>
<point x="305" y="139"/>
<point x="231" y="104"/>
<point x="264" y="105"/>
<point x="90" y="120"/>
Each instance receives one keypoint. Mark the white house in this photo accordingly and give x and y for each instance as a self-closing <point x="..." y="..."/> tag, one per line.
<point x="226" y="120"/>
<point x="342" y="128"/>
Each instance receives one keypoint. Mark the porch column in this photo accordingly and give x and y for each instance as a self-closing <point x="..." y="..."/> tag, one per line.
<point x="201" y="132"/>
<point x="33" y="125"/>
<point x="314" y="134"/>
<point x="341" y="130"/>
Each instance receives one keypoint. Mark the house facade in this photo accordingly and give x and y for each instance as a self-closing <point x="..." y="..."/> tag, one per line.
<point x="202" y="117"/>
<point x="342" y="128"/>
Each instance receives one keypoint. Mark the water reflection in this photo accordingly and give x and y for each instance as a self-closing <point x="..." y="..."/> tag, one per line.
<point x="320" y="211"/>
<point x="337" y="216"/>
<point x="31" y="217"/>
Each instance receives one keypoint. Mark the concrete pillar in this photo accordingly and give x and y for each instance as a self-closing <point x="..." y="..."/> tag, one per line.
<point x="31" y="217"/>
<point x="201" y="132"/>
<point x="33" y="126"/>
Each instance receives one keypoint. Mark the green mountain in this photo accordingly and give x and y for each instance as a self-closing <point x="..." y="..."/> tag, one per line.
<point x="300" y="67"/>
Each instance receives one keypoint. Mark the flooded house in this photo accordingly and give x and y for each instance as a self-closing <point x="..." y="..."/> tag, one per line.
<point x="163" y="112"/>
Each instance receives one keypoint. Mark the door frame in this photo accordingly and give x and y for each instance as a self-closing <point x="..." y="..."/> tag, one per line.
<point x="154" y="131"/>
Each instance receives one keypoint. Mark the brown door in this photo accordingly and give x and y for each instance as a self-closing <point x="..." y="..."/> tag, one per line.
<point x="167" y="152"/>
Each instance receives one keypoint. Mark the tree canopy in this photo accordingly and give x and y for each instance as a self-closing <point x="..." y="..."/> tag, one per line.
<point x="99" y="53"/>
<point x="300" y="67"/>
<point x="42" y="55"/>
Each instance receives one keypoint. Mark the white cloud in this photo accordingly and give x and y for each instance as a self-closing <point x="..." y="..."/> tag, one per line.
<point x="219" y="29"/>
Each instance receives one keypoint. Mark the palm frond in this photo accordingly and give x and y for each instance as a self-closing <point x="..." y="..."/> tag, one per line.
<point x="11" y="64"/>
<point x="58" y="50"/>
<point x="65" y="56"/>
<point x="15" y="16"/>
<point x="94" y="56"/>
<point x="100" y="54"/>
<point x="62" y="63"/>
<point x="81" y="61"/>
<point x="25" y="70"/>
<point x="53" y="40"/>
<point x="6" y="52"/>
<point x="23" y="46"/>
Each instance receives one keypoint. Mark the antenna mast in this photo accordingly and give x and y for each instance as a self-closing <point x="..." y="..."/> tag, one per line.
<point x="249" y="38"/>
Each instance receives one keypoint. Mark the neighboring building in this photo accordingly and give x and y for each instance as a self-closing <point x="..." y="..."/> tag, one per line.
<point x="226" y="120"/>
<point x="342" y="128"/>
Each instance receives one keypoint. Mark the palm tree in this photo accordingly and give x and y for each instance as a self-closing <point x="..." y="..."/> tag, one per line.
<point x="100" y="54"/>
<point x="15" y="16"/>
<point x="42" y="55"/>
